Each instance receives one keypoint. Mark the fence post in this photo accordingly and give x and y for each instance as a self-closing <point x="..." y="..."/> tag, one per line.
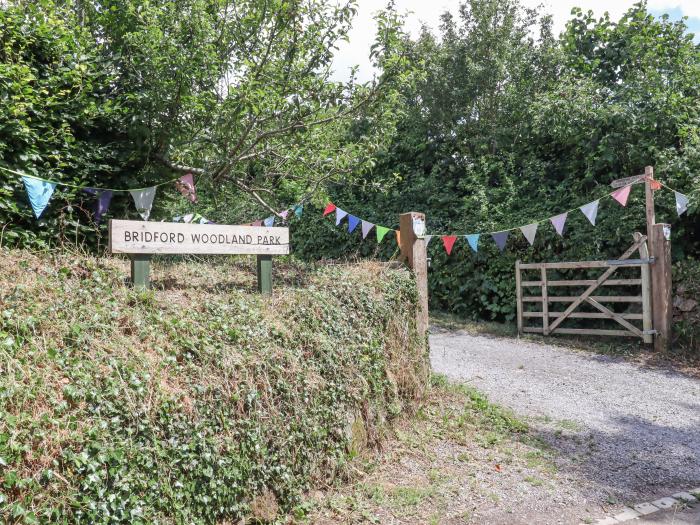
<point x="413" y="251"/>
<point x="140" y="270"/>
<point x="519" y="296"/>
<point x="647" y="321"/>
<point x="264" y="267"/>
<point x="661" y="286"/>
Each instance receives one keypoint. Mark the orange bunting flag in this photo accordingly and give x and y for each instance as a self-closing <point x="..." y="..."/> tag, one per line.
<point x="398" y="237"/>
<point x="448" y="241"/>
<point x="330" y="208"/>
<point x="655" y="184"/>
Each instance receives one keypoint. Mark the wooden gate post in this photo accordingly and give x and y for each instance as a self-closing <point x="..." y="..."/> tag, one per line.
<point x="413" y="250"/>
<point x="662" y="302"/>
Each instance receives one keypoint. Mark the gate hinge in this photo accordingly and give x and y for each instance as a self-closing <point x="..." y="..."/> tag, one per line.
<point x="649" y="332"/>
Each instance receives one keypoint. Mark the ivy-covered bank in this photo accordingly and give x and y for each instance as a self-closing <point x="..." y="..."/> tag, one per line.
<point x="199" y="401"/>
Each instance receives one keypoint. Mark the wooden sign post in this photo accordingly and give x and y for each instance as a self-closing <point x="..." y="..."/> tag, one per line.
<point x="413" y="250"/>
<point x="142" y="239"/>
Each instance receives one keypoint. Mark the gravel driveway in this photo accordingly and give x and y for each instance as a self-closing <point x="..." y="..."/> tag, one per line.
<point x="626" y="433"/>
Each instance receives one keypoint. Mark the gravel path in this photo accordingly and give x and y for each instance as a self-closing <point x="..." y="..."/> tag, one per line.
<point x="627" y="433"/>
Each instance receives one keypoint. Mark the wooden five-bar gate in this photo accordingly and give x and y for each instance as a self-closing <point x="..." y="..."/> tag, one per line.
<point x="642" y="310"/>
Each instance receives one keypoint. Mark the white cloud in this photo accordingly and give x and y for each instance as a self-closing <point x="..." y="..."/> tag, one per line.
<point x="356" y="52"/>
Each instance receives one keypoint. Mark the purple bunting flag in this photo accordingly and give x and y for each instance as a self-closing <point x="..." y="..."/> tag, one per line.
<point x="500" y="238"/>
<point x="558" y="221"/>
<point x="104" y="198"/>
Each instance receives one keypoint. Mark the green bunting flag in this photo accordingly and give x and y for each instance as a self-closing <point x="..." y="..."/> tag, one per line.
<point x="381" y="232"/>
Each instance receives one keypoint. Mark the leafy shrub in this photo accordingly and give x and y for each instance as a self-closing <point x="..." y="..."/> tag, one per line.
<point x="198" y="401"/>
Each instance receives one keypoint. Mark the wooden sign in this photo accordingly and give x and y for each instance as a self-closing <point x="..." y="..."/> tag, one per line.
<point x="634" y="179"/>
<point x="143" y="237"/>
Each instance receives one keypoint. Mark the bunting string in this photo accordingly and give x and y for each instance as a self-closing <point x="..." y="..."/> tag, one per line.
<point x="500" y="238"/>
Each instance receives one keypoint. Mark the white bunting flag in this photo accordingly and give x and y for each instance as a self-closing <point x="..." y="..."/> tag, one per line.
<point x="681" y="203"/>
<point x="339" y="216"/>
<point x="428" y="238"/>
<point x="529" y="232"/>
<point x="143" y="199"/>
<point x="366" y="228"/>
<point x="590" y="210"/>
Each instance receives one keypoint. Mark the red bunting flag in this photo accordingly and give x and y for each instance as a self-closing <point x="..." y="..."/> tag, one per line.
<point x="330" y="208"/>
<point x="448" y="241"/>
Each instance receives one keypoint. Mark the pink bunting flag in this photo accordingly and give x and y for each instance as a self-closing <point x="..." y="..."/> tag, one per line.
<point x="185" y="185"/>
<point x="448" y="241"/>
<point x="622" y="195"/>
<point x="558" y="222"/>
<point x="284" y="214"/>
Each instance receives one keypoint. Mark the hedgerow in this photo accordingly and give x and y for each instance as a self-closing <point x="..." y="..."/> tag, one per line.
<point x="199" y="401"/>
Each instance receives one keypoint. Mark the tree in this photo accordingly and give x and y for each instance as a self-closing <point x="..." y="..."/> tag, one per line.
<point x="239" y="92"/>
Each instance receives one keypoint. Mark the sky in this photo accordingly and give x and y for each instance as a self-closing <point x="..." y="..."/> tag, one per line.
<point x="356" y="51"/>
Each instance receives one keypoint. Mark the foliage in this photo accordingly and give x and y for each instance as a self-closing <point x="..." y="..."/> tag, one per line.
<point x="56" y="120"/>
<point x="237" y="93"/>
<point x="510" y="124"/>
<point x="195" y="402"/>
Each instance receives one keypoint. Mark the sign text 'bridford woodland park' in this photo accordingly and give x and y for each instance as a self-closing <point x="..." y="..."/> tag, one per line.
<point x="180" y="238"/>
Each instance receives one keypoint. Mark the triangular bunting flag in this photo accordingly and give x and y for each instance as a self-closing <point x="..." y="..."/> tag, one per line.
<point x="188" y="218"/>
<point x="428" y="238"/>
<point x="500" y="238"/>
<point x="330" y="208"/>
<point x="529" y="232"/>
<point x="622" y="194"/>
<point x="284" y="214"/>
<point x="681" y="203"/>
<point x="590" y="210"/>
<point x="448" y="241"/>
<point x="381" y="232"/>
<point x="185" y="185"/>
<point x="366" y="228"/>
<point x="655" y="184"/>
<point x="270" y="221"/>
<point x="143" y="199"/>
<point x="473" y="240"/>
<point x="257" y="223"/>
<point x="339" y="216"/>
<point x="398" y="237"/>
<point x="558" y="221"/>
<point x="298" y="210"/>
<point x="39" y="192"/>
<point x="104" y="197"/>
<point x="352" y="223"/>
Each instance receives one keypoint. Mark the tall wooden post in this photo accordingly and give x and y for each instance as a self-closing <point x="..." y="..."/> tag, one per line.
<point x="661" y="286"/>
<point x="651" y="216"/>
<point x="647" y="312"/>
<point x="413" y="250"/>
